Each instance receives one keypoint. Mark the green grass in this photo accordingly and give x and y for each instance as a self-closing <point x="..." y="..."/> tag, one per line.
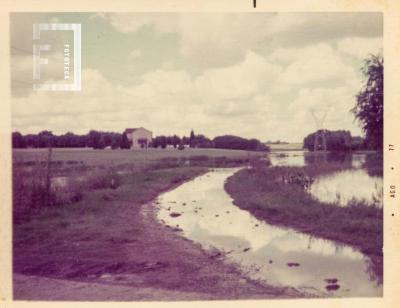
<point x="114" y="233"/>
<point x="97" y="169"/>
<point x="141" y="158"/>
<point x="286" y="147"/>
<point x="93" y="231"/>
<point x="262" y="192"/>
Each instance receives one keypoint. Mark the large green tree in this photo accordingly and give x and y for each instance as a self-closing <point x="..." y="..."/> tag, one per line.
<point x="369" y="107"/>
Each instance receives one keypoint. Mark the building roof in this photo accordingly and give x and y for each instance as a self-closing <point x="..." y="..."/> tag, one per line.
<point x="131" y="130"/>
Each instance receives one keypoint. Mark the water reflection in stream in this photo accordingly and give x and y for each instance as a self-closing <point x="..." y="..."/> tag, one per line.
<point x="204" y="213"/>
<point x="357" y="182"/>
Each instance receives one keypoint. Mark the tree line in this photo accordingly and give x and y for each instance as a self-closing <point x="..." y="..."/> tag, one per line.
<point x="101" y="140"/>
<point x="339" y="140"/>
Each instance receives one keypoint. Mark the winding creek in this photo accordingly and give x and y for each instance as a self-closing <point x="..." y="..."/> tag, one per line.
<point x="203" y="212"/>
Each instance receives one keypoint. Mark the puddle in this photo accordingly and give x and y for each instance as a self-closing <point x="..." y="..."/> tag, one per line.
<point x="341" y="187"/>
<point x="277" y="256"/>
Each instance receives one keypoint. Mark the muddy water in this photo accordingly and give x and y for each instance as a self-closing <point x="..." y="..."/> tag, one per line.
<point x="288" y="158"/>
<point x="204" y="213"/>
<point x="303" y="158"/>
<point x="341" y="187"/>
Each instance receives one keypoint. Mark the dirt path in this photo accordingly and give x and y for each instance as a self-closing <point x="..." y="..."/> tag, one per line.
<point x="175" y="269"/>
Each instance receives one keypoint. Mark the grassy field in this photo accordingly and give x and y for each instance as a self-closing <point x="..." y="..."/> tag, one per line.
<point x="34" y="171"/>
<point x="138" y="157"/>
<point x="108" y="233"/>
<point x="286" y="147"/>
<point x="267" y="194"/>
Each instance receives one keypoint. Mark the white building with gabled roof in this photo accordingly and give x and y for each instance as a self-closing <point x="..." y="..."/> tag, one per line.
<point x="140" y="137"/>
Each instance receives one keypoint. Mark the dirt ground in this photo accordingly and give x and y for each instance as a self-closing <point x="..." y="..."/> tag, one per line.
<point x="119" y="251"/>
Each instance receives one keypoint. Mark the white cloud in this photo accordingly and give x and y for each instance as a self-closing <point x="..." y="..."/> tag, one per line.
<point x="230" y="74"/>
<point x="219" y="39"/>
<point x="337" y="102"/>
<point x="238" y="81"/>
<point x="131" y="22"/>
<point x="134" y="54"/>
<point x="360" y="47"/>
<point x="317" y="63"/>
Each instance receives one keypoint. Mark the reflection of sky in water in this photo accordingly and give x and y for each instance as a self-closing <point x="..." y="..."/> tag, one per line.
<point x="287" y="158"/>
<point x="234" y="230"/>
<point x="342" y="186"/>
<point x="297" y="158"/>
<point x="339" y="187"/>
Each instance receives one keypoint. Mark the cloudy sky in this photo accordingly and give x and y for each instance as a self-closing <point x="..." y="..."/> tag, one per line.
<point x="248" y="74"/>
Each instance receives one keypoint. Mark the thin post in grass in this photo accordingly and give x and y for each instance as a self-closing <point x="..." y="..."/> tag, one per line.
<point x="48" y="175"/>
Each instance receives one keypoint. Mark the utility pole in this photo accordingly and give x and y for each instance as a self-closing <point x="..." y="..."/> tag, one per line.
<point x="319" y="137"/>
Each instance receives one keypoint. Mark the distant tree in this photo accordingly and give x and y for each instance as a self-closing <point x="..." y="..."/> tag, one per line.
<point x="357" y="143"/>
<point x="252" y="144"/>
<point x="185" y="140"/>
<point x="175" y="141"/>
<point x="160" y="141"/>
<point x="339" y="140"/>
<point x="31" y="141"/>
<point x="102" y="143"/>
<point x="18" y="140"/>
<point x="192" y="142"/>
<point x="125" y="142"/>
<point x="116" y="141"/>
<point x="202" y="141"/>
<point x="238" y="143"/>
<point x="369" y="107"/>
<point x="107" y="139"/>
<point x="94" y="139"/>
<point x="155" y="142"/>
<point x="45" y="139"/>
<point x="163" y="142"/>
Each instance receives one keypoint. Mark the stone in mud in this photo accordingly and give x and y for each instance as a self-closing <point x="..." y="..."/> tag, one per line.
<point x="174" y="214"/>
<point x="270" y="261"/>
<point x="331" y="280"/>
<point x="293" y="264"/>
<point x="332" y="287"/>
<point x="216" y="255"/>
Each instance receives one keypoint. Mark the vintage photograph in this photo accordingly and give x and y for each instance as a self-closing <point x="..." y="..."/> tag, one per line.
<point x="196" y="156"/>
